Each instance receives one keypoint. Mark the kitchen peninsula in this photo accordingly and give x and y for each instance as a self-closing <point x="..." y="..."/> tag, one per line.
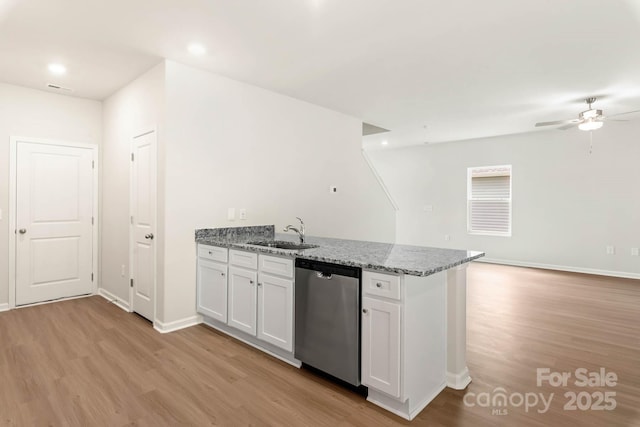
<point x="412" y="312"/>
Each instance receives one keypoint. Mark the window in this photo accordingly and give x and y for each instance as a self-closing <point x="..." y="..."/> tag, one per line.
<point x="489" y="200"/>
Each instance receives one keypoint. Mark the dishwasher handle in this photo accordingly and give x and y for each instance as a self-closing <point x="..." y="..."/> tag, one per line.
<point x="324" y="276"/>
<point x="328" y="269"/>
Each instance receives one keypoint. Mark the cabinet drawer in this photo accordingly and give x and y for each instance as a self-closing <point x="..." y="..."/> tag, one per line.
<point x="275" y="265"/>
<point x="243" y="259"/>
<point x="214" y="253"/>
<point x="383" y="285"/>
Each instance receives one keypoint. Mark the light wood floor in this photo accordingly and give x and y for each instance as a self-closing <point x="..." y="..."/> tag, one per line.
<point x="85" y="362"/>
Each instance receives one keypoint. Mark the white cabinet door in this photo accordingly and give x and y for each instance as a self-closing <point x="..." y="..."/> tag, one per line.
<point x="381" y="345"/>
<point x="212" y="289"/>
<point x="275" y="311"/>
<point x="242" y="299"/>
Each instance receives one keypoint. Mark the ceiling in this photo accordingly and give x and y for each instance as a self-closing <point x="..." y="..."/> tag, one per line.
<point x="427" y="70"/>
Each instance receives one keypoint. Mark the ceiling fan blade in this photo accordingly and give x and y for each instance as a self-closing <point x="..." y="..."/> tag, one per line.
<point x="557" y="122"/>
<point x="628" y="112"/>
<point x="569" y="126"/>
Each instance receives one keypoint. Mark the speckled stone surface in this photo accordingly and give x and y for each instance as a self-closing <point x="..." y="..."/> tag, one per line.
<point x="237" y="234"/>
<point x="386" y="257"/>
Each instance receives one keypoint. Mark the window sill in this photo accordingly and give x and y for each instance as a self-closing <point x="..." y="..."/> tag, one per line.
<point x="488" y="233"/>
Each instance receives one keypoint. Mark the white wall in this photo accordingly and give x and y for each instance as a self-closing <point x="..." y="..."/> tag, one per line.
<point x="229" y="144"/>
<point x="131" y="110"/>
<point x="568" y="205"/>
<point x="38" y="114"/>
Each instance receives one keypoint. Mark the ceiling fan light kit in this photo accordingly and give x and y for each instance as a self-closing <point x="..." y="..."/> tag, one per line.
<point x="590" y="124"/>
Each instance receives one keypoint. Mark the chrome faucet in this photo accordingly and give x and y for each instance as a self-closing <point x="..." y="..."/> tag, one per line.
<point x="300" y="231"/>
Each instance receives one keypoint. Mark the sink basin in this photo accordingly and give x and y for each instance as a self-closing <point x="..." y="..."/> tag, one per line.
<point x="283" y="244"/>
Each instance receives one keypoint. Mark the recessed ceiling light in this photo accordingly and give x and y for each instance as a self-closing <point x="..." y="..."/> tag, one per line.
<point x="58" y="69"/>
<point x="196" y="49"/>
<point x="385" y="142"/>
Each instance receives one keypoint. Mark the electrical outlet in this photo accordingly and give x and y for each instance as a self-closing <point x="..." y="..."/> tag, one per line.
<point x="611" y="250"/>
<point x="231" y="214"/>
<point x="243" y="214"/>
<point x="634" y="251"/>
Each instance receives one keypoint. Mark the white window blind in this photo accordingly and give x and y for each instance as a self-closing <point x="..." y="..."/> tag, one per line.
<point x="489" y="200"/>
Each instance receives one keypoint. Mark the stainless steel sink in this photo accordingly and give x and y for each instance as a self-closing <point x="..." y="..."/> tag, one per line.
<point x="283" y="244"/>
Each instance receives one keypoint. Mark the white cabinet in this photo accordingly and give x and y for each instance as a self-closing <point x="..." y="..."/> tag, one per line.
<point x="381" y="345"/>
<point x="403" y="340"/>
<point x="275" y="310"/>
<point x="212" y="289"/>
<point x="242" y="299"/>
<point x="229" y="291"/>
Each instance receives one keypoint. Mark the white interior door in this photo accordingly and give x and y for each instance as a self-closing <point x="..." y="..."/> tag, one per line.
<point x="143" y="224"/>
<point x="54" y="215"/>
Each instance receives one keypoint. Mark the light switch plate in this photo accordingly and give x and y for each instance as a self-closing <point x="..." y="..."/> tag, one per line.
<point x="231" y="214"/>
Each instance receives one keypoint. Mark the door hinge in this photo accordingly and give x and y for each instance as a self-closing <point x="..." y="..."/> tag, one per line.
<point x="132" y="157"/>
<point x="92" y="277"/>
<point x="93" y="164"/>
<point x="132" y="283"/>
<point x="91" y="220"/>
<point x="131" y="219"/>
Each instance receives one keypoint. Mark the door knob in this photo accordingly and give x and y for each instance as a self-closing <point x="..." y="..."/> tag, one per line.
<point x="149" y="236"/>
<point x="22" y="230"/>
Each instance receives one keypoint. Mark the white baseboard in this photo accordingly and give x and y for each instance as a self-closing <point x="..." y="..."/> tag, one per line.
<point x="403" y="408"/>
<point x="4" y="307"/>
<point x="458" y="381"/>
<point x="389" y="404"/>
<point x="434" y="393"/>
<point x="164" y="328"/>
<point x="114" y="299"/>
<point x="623" y="274"/>
<point x="271" y="350"/>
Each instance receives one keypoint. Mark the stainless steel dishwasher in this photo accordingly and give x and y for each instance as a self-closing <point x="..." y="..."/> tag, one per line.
<point x="327" y="318"/>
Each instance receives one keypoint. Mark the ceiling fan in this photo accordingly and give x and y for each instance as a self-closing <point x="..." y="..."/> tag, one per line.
<point x="590" y="119"/>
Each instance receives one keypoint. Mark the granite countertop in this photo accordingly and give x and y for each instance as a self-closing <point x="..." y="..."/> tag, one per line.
<point x="388" y="257"/>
